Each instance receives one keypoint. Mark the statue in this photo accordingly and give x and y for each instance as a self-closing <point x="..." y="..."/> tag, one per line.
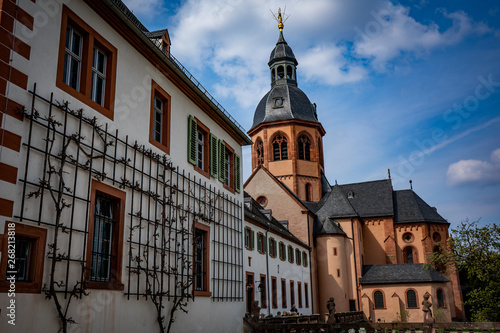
<point x="255" y="310"/>
<point x="426" y="307"/>
<point x="330" y="305"/>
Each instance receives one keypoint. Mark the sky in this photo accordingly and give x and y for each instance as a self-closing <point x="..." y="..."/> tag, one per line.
<point x="410" y="86"/>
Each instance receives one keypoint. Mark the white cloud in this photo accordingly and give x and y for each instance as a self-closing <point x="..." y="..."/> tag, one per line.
<point x="233" y="38"/>
<point x="393" y="32"/>
<point x="475" y="171"/>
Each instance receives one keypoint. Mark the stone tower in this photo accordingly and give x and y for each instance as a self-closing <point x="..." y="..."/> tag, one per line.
<point x="286" y="132"/>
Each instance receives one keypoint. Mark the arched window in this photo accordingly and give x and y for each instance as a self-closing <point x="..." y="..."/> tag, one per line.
<point x="308" y="192"/>
<point x="289" y="72"/>
<point x="378" y="299"/>
<point x="411" y="299"/>
<point x="281" y="72"/>
<point x="280" y="148"/>
<point x="259" y="147"/>
<point x="410" y="255"/>
<point x="440" y="298"/>
<point x="273" y="74"/>
<point x="304" y="144"/>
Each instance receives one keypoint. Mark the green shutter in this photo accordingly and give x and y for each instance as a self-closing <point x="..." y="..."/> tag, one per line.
<point x="252" y="240"/>
<point x="192" y="134"/>
<point x="214" y="162"/>
<point x="237" y="173"/>
<point x="222" y="161"/>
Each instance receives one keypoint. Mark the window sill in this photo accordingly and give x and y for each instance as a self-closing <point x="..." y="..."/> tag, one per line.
<point x="105" y="285"/>
<point x="202" y="172"/>
<point x="105" y="111"/>
<point x="230" y="189"/>
<point x="159" y="145"/>
<point x="202" y="293"/>
<point x="21" y="287"/>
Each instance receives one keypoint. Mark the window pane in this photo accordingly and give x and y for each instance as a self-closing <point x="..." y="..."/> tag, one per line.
<point x="379" y="300"/>
<point x="102" y="238"/>
<point x="23" y="250"/>
<point x="412" y="299"/>
<point x="199" y="253"/>
<point x="284" y="151"/>
<point x="201" y="150"/>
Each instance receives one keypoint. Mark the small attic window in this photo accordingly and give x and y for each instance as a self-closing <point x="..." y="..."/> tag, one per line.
<point x="278" y="102"/>
<point x="350" y="195"/>
<point x="262" y="200"/>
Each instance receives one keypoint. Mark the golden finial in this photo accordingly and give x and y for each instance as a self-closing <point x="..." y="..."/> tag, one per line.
<point x="280" y="19"/>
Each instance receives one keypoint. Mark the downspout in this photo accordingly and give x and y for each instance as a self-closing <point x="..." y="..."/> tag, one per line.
<point x="267" y="269"/>
<point x="310" y="263"/>
<point x="355" y="266"/>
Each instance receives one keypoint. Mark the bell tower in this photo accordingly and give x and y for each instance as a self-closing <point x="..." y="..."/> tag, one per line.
<point x="287" y="136"/>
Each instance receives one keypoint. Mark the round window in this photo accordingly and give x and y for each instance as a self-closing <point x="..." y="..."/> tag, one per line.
<point x="262" y="200"/>
<point x="408" y="237"/>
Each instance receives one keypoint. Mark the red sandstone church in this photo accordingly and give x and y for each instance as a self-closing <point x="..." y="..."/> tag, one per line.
<point x="368" y="241"/>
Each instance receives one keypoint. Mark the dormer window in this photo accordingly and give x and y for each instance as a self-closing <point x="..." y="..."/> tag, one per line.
<point x="278" y="102"/>
<point x="350" y="195"/>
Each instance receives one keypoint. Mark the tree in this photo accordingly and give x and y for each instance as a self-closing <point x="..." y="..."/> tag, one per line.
<point x="474" y="251"/>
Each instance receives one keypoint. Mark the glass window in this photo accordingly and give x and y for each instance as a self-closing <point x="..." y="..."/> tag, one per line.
<point x="158" y="119"/>
<point x="411" y="297"/>
<point x="304" y="144"/>
<point x="280" y="148"/>
<point x="72" y="58"/>
<point x="440" y="298"/>
<point x="378" y="297"/>
<point x="199" y="260"/>
<point x="200" y="162"/>
<point x="102" y="238"/>
<point x="98" y="76"/>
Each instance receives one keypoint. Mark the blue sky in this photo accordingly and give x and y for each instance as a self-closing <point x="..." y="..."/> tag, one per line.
<point x="411" y="86"/>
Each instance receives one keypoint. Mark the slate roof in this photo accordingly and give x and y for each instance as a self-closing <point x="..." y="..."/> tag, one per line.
<point x="155" y="34"/>
<point x="282" y="51"/>
<point x="296" y="105"/>
<point x="255" y="213"/>
<point x="370" y="199"/>
<point x="399" y="273"/>
<point x="409" y="207"/>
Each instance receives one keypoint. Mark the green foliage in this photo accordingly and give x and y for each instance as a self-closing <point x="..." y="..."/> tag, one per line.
<point x="475" y="252"/>
<point x="440" y="315"/>
<point x="441" y="330"/>
<point x="402" y="317"/>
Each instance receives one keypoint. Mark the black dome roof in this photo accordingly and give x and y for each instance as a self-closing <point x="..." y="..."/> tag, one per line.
<point x="282" y="51"/>
<point x="292" y="104"/>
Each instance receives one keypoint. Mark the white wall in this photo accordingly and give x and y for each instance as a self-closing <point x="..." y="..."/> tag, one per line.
<point x="106" y="310"/>
<point x="279" y="269"/>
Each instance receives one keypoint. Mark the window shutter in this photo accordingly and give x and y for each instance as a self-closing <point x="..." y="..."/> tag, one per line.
<point x="237" y="173"/>
<point x="192" y="134"/>
<point x="214" y="170"/>
<point x="222" y="161"/>
<point x="252" y="238"/>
